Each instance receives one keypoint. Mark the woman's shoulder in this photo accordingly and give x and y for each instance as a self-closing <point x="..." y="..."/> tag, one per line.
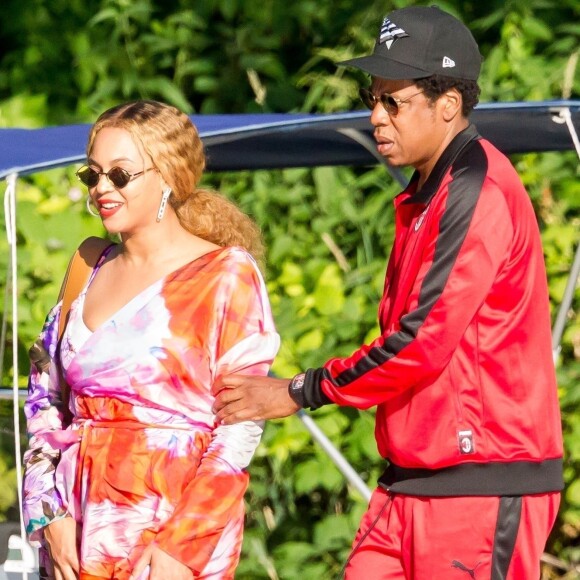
<point x="231" y="258"/>
<point x="217" y="264"/>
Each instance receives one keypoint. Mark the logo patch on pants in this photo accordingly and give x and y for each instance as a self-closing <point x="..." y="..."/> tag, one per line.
<point x="466" y="443"/>
<point x="471" y="571"/>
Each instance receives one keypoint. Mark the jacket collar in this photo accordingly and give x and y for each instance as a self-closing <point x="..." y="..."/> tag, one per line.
<point x="453" y="150"/>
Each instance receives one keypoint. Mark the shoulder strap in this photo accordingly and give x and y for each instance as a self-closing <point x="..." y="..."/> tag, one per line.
<point x="77" y="274"/>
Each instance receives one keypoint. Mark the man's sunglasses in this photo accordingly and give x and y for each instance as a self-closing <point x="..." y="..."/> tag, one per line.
<point x="390" y="104"/>
<point x="118" y="176"/>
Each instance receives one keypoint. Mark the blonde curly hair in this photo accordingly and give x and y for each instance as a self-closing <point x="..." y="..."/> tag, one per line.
<point x="172" y="142"/>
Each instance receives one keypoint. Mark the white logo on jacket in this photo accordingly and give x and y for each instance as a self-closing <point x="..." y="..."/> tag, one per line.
<point x="421" y="219"/>
<point x="466" y="444"/>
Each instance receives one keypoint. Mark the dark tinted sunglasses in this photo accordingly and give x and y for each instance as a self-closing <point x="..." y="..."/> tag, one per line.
<point x="390" y="104"/>
<point x="118" y="176"/>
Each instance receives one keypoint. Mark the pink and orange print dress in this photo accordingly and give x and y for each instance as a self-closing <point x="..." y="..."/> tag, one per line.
<point x="144" y="460"/>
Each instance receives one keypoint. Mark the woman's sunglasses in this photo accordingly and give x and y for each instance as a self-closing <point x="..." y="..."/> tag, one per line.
<point x="390" y="104"/>
<point x="118" y="176"/>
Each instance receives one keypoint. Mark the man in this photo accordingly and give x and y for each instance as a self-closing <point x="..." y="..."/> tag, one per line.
<point x="468" y="415"/>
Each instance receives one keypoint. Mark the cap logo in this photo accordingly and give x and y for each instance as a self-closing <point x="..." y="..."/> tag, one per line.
<point x="389" y="33"/>
<point x="448" y="62"/>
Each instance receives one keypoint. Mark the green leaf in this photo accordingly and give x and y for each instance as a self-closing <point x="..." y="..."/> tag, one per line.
<point x="573" y="493"/>
<point x="329" y="293"/>
<point x="165" y="89"/>
<point x="537" y="29"/>
<point x="104" y="15"/>
<point x="332" y="532"/>
<point x="310" y="341"/>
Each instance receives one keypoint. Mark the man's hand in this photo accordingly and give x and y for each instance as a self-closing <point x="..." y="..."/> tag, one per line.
<point x="63" y="539"/>
<point x="250" y="398"/>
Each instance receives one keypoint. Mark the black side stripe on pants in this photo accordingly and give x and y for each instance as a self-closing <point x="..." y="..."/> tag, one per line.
<point x="506" y="532"/>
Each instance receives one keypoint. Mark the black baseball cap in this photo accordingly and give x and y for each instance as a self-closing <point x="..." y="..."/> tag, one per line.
<point x="420" y="41"/>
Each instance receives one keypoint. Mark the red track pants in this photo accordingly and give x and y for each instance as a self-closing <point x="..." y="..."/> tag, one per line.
<point x="455" y="538"/>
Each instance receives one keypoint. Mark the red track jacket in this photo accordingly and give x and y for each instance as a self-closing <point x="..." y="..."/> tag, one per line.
<point x="462" y="373"/>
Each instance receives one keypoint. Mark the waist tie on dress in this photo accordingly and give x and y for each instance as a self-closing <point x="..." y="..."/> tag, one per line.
<point x="73" y="442"/>
<point x="63" y="439"/>
<point x="129" y="424"/>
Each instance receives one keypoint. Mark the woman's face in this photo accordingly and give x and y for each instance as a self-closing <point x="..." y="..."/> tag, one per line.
<point x="134" y="206"/>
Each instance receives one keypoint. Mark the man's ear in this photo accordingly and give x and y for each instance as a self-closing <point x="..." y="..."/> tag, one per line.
<point x="452" y="103"/>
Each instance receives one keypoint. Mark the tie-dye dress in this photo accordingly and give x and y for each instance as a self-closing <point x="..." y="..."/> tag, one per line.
<point x="144" y="459"/>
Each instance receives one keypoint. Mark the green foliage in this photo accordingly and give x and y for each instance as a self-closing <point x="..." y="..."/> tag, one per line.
<point x="567" y="542"/>
<point x="328" y="230"/>
<point x="8" y="491"/>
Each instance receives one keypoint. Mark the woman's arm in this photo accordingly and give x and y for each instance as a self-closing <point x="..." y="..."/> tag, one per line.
<point x="212" y="504"/>
<point x="42" y="503"/>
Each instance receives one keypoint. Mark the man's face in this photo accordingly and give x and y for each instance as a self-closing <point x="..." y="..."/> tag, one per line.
<point x="414" y="135"/>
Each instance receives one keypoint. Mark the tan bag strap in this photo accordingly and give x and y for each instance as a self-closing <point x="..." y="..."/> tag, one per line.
<point x="78" y="273"/>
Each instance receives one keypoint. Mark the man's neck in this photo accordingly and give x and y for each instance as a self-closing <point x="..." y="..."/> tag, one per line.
<point x="425" y="169"/>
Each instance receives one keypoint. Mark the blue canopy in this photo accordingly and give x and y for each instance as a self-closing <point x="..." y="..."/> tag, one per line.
<point x="267" y="141"/>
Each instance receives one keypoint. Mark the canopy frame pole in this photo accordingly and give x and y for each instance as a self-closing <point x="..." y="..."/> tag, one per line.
<point x="337" y="458"/>
<point x="564" y="115"/>
<point x="567" y="299"/>
<point x="10" y="223"/>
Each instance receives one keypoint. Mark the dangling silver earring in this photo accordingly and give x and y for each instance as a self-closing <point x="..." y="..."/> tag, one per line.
<point x="163" y="204"/>
<point x="90" y="207"/>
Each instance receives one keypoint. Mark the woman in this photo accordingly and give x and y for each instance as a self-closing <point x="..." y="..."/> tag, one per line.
<point x="144" y="483"/>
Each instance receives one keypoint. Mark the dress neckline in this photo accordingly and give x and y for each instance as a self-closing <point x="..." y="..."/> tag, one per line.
<point x="209" y="256"/>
